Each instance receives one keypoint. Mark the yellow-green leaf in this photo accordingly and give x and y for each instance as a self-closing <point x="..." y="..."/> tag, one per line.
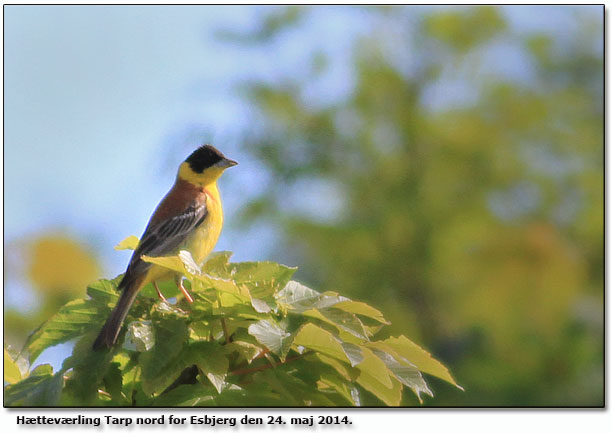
<point x="390" y="396"/>
<point x="362" y="309"/>
<point x="170" y="262"/>
<point x="420" y="358"/>
<point x="405" y="372"/>
<point x="129" y="243"/>
<point x="312" y="337"/>
<point x="11" y="371"/>
<point x="373" y="366"/>
<point x="342" y="369"/>
<point x="272" y="336"/>
<point x="203" y="282"/>
<point x="343" y="321"/>
<point x="341" y="387"/>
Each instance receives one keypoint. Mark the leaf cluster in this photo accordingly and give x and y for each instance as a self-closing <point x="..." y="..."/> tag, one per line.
<point x="252" y="337"/>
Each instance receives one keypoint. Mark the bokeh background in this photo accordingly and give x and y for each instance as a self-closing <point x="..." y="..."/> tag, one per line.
<point x="444" y="164"/>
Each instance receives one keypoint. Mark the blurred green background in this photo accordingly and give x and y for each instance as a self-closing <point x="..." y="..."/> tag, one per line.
<point x="444" y="164"/>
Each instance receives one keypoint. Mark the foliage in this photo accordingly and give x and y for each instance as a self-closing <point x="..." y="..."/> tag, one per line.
<point x="252" y="337"/>
<point x="457" y="181"/>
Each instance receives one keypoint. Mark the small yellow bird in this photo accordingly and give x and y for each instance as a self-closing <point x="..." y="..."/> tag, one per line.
<point x="189" y="218"/>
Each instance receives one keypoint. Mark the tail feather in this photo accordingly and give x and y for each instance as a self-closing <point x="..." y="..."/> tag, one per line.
<point x="110" y="331"/>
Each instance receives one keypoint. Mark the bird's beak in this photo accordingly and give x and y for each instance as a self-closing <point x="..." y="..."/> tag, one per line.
<point x="225" y="163"/>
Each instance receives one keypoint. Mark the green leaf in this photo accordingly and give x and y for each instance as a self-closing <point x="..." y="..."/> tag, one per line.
<point x="390" y="396"/>
<point x="72" y="320"/>
<point x="104" y="291"/>
<point x="199" y="395"/>
<point x="113" y="382"/>
<point x="247" y="351"/>
<point x="164" y="362"/>
<point x="297" y="297"/>
<point x="200" y="331"/>
<point x="347" y="373"/>
<point x="271" y="335"/>
<point x="211" y="360"/>
<point x="203" y="282"/>
<point x="376" y="378"/>
<point x="216" y="262"/>
<point x="344" y="321"/>
<point x="139" y="336"/>
<point x="88" y="369"/>
<point x="314" y="338"/>
<point x="173" y="263"/>
<point x="129" y="243"/>
<point x="347" y="391"/>
<point x="190" y="265"/>
<point x="406" y="373"/>
<point x="420" y="358"/>
<point x="293" y="390"/>
<point x="260" y="305"/>
<point x="353" y="353"/>
<point x="11" y="371"/>
<point x="362" y="309"/>
<point x="263" y="279"/>
<point x="374" y="367"/>
<point x="165" y="310"/>
<point x="40" y="388"/>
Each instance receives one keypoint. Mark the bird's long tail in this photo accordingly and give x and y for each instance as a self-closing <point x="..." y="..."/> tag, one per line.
<point x="110" y="331"/>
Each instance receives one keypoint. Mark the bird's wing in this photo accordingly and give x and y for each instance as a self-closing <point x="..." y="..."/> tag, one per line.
<point x="164" y="238"/>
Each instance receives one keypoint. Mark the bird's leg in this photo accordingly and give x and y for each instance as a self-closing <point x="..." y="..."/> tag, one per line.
<point x="159" y="293"/>
<point x="179" y="283"/>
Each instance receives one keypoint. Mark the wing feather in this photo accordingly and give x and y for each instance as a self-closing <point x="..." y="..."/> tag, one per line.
<point x="163" y="238"/>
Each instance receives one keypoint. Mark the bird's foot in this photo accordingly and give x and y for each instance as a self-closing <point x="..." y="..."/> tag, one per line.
<point x="184" y="291"/>
<point x="159" y="293"/>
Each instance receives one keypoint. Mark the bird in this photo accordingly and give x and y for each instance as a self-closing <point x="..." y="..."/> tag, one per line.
<point x="189" y="217"/>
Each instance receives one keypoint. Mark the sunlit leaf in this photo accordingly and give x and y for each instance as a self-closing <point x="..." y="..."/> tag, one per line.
<point x="73" y="320"/>
<point x="247" y="351"/>
<point x="297" y="296"/>
<point x="129" y="243"/>
<point x="342" y="320"/>
<point x="272" y="336"/>
<point x="11" y="371"/>
<point x="312" y="337"/>
<point x="420" y="358"/>
<point x="139" y="336"/>
<point x="362" y="309"/>
<point x="406" y="373"/>
<point x="341" y="387"/>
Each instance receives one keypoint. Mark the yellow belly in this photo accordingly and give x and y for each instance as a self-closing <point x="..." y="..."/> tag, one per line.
<point x="201" y="242"/>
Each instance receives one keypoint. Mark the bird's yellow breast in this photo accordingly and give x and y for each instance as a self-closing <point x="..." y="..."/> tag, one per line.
<point x="204" y="238"/>
<point x="201" y="241"/>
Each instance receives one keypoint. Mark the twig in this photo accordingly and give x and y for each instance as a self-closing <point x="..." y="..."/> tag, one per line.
<point x="224" y="326"/>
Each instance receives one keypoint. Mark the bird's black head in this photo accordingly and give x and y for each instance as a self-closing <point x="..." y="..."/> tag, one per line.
<point x="204" y="157"/>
